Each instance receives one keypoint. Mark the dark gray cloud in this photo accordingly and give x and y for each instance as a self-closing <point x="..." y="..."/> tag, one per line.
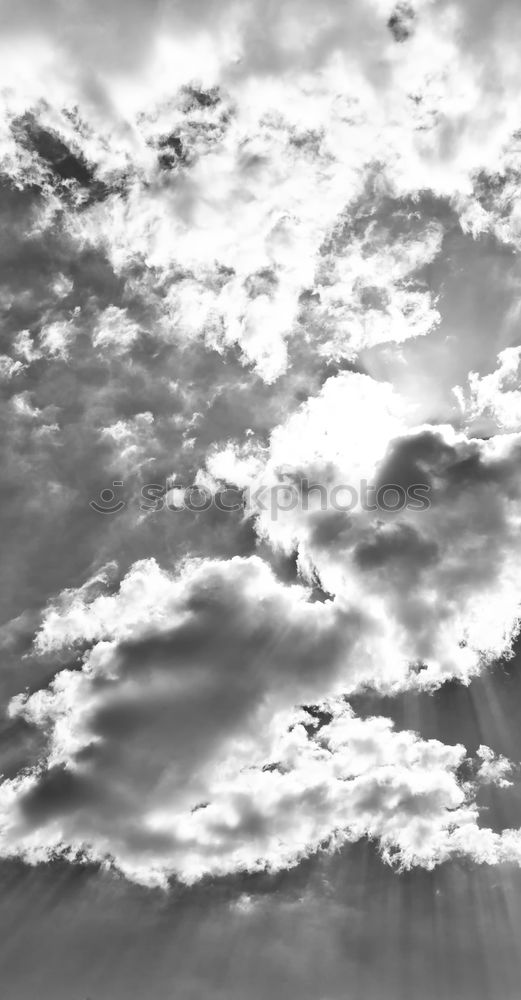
<point x="401" y="22"/>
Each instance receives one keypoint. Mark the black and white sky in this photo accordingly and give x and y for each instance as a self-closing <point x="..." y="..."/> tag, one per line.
<point x="260" y="256"/>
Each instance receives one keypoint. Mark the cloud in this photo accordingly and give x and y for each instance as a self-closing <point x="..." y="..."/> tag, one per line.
<point x="185" y="681"/>
<point x="178" y="748"/>
<point x="494" y="767"/>
<point x="493" y="402"/>
<point x="439" y="579"/>
<point x="214" y="215"/>
<point x="216" y="180"/>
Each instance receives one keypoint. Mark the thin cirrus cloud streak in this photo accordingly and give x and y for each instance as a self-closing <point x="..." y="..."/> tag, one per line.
<point x="243" y="248"/>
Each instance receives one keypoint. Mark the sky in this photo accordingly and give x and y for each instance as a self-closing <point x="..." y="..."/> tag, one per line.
<point x="260" y="372"/>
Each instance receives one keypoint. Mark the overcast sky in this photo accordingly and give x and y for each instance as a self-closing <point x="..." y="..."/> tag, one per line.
<point x="260" y="362"/>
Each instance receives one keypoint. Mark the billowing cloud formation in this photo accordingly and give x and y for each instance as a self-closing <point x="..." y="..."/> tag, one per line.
<point x="236" y="249"/>
<point x="493" y="402"/>
<point x="184" y="674"/>
<point x="419" y="526"/>
<point x="176" y="748"/>
<point x="237" y="181"/>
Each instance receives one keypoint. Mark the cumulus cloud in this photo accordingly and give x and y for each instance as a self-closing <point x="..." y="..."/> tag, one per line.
<point x="236" y="248"/>
<point x="177" y="749"/>
<point x="189" y="670"/>
<point x="436" y="572"/>
<point x="239" y="179"/>
<point x="493" y="402"/>
<point x="494" y="767"/>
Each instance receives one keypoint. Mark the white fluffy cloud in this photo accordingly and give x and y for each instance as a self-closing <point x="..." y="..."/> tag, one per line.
<point x="214" y="209"/>
<point x="194" y="672"/>
<point x="493" y="402"/>
<point x="177" y="748"/>
<point x="440" y="582"/>
<point x="233" y="170"/>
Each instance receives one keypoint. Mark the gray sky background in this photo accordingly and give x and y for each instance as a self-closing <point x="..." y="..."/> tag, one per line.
<point x="271" y="752"/>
